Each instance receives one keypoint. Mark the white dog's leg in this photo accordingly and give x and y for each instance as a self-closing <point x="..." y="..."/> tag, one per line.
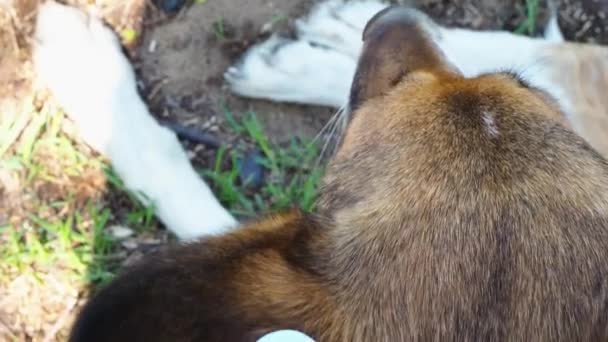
<point x="293" y="71"/>
<point x="82" y="63"/>
<point x="316" y="68"/>
<point x="338" y="25"/>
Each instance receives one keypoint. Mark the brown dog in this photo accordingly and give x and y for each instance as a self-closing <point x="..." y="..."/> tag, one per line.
<point x="455" y="209"/>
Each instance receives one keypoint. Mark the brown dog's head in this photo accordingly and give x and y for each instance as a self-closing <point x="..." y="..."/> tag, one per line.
<point x="446" y="186"/>
<point x="420" y="132"/>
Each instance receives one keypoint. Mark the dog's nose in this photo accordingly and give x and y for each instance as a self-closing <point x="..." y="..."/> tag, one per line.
<point x="396" y="16"/>
<point x="397" y="41"/>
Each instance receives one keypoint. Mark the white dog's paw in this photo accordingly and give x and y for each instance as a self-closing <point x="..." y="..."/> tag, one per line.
<point x="293" y="71"/>
<point x="338" y="25"/>
<point x="82" y="63"/>
<point x="315" y="68"/>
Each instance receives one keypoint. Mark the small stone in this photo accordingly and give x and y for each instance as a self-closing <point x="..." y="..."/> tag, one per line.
<point x="152" y="46"/>
<point x="129" y="244"/>
<point x="120" y="232"/>
<point x="170" y="6"/>
<point x="133" y="258"/>
<point x="267" y="27"/>
<point x="251" y="172"/>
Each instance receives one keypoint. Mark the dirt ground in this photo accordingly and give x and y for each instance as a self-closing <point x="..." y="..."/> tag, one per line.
<point x="181" y="58"/>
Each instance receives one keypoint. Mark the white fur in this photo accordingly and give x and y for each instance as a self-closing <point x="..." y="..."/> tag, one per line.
<point x="338" y="26"/>
<point x="285" y="336"/>
<point x="316" y="68"/>
<point x="475" y="53"/>
<point x="552" y="30"/>
<point x="490" y="124"/>
<point x="82" y="63"/>
<point x="270" y="72"/>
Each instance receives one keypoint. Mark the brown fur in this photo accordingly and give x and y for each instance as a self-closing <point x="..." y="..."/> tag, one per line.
<point x="455" y="209"/>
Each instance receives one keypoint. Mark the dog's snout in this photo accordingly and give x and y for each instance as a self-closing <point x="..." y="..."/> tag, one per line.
<point x="392" y="17"/>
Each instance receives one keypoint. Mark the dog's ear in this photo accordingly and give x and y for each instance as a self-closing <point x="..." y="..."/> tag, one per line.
<point x="397" y="41"/>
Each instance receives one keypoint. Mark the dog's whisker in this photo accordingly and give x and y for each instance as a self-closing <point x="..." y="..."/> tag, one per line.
<point x="333" y="118"/>
<point x="336" y="127"/>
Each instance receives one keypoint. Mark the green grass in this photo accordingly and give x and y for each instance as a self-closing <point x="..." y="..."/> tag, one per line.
<point x="138" y="215"/>
<point x="76" y="245"/>
<point x="278" y="18"/>
<point x="58" y="240"/>
<point x="219" y="29"/>
<point x="56" y="233"/>
<point x="61" y="235"/>
<point x="528" y="26"/>
<point x="291" y="172"/>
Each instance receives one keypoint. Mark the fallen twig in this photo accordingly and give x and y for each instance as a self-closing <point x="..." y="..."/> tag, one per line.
<point x="192" y="134"/>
